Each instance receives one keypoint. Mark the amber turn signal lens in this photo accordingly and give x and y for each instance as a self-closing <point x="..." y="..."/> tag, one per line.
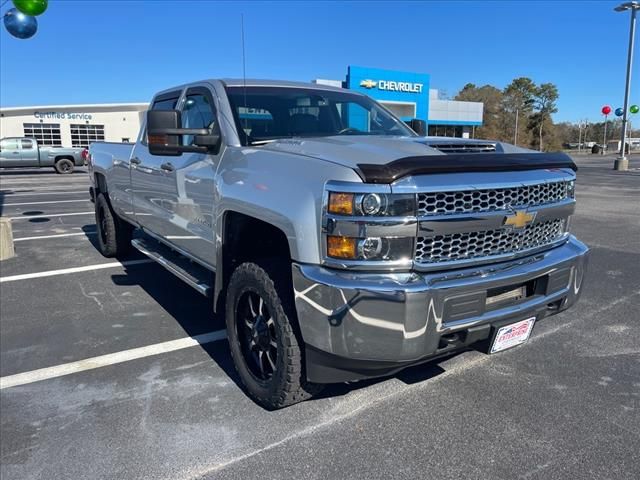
<point x="341" y="247"/>
<point x="341" y="203"/>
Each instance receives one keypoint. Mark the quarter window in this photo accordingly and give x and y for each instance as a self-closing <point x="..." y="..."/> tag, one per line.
<point x="44" y="133"/>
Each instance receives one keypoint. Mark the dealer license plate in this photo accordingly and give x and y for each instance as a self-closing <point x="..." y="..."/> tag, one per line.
<point x="512" y="335"/>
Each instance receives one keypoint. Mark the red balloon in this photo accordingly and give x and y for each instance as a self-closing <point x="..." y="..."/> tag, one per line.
<point x="606" y="110"/>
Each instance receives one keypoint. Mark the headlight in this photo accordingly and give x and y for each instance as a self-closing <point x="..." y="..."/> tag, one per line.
<point x="571" y="189"/>
<point x="371" y="248"/>
<point x="371" y="204"/>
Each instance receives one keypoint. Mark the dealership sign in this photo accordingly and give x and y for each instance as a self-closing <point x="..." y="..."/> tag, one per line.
<point x="393" y="86"/>
<point x="63" y="115"/>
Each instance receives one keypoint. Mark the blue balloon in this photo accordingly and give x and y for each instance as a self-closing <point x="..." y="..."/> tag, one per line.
<point x="619" y="112"/>
<point x="20" y="25"/>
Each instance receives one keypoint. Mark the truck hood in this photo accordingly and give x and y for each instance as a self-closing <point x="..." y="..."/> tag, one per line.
<point x="352" y="150"/>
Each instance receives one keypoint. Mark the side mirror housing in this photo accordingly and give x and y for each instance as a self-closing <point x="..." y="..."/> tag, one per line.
<point x="418" y="126"/>
<point x="164" y="135"/>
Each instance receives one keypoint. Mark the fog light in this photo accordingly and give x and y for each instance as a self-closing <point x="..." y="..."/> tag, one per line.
<point x="341" y="203"/>
<point x="372" y="203"/>
<point x="341" y="247"/>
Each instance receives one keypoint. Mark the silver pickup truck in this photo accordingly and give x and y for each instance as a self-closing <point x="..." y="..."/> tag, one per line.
<point x="338" y="244"/>
<point x="19" y="152"/>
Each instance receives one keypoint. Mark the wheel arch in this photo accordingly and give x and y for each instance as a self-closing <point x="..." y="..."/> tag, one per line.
<point x="245" y="238"/>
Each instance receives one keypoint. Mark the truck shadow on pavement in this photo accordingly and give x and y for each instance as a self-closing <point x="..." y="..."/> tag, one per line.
<point x="194" y="313"/>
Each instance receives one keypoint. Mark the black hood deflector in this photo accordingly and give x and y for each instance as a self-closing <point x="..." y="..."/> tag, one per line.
<point x="463" y="162"/>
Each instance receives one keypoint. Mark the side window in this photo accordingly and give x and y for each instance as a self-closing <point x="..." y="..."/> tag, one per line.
<point x="197" y="113"/>
<point x="9" y="144"/>
<point x="168" y="101"/>
<point x="165" y="103"/>
<point x="26" y="144"/>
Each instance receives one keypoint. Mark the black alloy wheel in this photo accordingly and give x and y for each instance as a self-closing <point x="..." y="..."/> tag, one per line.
<point x="257" y="335"/>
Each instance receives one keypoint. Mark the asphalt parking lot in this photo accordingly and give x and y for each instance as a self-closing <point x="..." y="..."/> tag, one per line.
<point x="118" y="370"/>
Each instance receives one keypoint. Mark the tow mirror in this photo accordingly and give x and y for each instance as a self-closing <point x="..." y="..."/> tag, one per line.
<point x="418" y="126"/>
<point x="165" y="132"/>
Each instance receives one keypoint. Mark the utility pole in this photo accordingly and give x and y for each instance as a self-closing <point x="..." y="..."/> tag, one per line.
<point x="515" y="136"/>
<point x="622" y="162"/>
<point x="580" y="136"/>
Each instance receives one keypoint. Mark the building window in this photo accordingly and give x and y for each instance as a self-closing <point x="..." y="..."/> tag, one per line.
<point x="445" y="130"/>
<point x="83" y="135"/>
<point x="44" y="133"/>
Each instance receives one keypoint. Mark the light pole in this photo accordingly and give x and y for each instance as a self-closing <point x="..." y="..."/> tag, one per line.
<point x="622" y="162"/>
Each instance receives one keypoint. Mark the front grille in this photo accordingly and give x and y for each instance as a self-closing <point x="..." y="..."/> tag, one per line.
<point x="464" y="147"/>
<point x="487" y="200"/>
<point x="462" y="246"/>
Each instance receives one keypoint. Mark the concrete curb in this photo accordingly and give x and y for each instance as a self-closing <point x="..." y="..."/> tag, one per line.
<point x="6" y="239"/>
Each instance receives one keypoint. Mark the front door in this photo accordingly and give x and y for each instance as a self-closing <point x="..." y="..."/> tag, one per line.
<point x="148" y="180"/>
<point x="9" y="153"/>
<point x="187" y="183"/>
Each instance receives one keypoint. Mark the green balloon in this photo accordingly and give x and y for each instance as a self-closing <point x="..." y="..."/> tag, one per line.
<point x="634" y="109"/>
<point x="31" y="7"/>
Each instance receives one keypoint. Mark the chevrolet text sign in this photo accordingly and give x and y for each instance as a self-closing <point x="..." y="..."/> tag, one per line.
<point x="392" y="86"/>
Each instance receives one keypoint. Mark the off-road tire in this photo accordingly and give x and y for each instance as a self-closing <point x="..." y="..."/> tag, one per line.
<point x="114" y="234"/>
<point x="64" y="166"/>
<point x="288" y="384"/>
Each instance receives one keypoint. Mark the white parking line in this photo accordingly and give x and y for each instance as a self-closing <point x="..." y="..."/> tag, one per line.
<point x="59" y="235"/>
<point x="27" y="217"/>
<point x="65" y="271"/>
<point x="109" y="359"/>
<point x="7" y="194"/>
<point x="45" y="203"/>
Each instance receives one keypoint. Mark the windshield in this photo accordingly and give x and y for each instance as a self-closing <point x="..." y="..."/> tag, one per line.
<point x="264" y="114"/>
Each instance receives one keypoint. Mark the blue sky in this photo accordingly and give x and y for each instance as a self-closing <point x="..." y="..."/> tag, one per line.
<point x="123" y="51"/>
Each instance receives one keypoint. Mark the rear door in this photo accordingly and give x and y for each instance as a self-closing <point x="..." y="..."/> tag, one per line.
<point x="29" y="153"/>
<point x="187" y="182"/>
<point x="148" y="179"/>
<point x="9" y="153"/>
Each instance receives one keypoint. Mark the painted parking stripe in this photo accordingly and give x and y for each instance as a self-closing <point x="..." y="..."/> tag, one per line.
<point x="28" y="217"/>
<point x="25" y="194"/>
<point x="66" y="271"/>
<point x="59" y="235"/>
<point x="109" y="359"/>
<point x="46" y="203"/>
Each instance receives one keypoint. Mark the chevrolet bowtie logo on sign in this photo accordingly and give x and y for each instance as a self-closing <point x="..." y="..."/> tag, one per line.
<point x="368" y="83"/>
<point x="519" y="219"/>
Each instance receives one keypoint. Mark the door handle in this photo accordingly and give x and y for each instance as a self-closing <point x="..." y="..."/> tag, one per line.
<point x="167" y="167"/>
<point x="16" y="153"/>
<point x="135" y="161"/>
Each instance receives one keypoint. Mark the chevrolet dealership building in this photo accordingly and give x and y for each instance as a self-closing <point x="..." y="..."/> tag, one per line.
<point x="406" y="94"/>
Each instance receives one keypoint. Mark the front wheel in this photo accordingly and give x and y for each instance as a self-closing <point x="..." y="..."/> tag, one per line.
<point x="64" y="165"/>
<point x="264" y="341"/>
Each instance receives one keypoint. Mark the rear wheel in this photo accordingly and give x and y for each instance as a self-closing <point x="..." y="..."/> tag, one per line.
<point x="265" y="343"/>
<point x="114" y="234"/>
<point x="64" y="165"/>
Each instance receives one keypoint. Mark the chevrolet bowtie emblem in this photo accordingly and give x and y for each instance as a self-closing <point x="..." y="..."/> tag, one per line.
<point x="368" y="83"/>
<point x="519" y="219"/>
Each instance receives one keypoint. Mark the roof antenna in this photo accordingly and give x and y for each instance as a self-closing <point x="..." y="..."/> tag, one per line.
<point x="244" y="70"/>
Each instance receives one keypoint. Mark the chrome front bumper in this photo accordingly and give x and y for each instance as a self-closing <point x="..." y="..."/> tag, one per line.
<point x="397" y="319"/>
